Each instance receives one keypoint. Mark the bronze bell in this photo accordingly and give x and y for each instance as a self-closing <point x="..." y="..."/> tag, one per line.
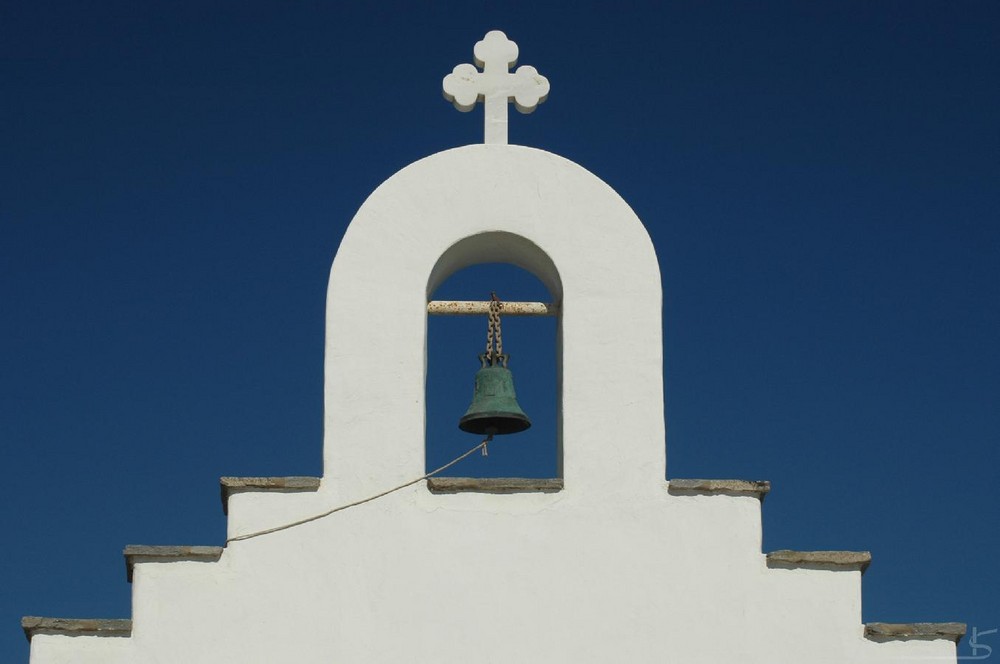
<point x="494" y="409"/>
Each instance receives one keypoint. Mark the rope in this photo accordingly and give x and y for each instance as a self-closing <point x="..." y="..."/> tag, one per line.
<point x="480" y="446"/>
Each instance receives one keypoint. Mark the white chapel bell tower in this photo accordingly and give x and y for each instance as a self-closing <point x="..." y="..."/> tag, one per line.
<point x="377" y="563"/>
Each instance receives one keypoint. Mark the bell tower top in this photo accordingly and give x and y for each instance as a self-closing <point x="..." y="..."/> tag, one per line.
<point x="495" y="86"/>
<point x="496" y="203"/>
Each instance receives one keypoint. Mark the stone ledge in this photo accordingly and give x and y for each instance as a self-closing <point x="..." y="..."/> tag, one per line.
<point x="952" y="631"/>
<point x="168" y="554"/>
<point x="831" y="560"/>
<point x="33" y="625"/>
<point x="758" y="488"/>
<point x="230" y="485"/>
<point x="493" y="485"/>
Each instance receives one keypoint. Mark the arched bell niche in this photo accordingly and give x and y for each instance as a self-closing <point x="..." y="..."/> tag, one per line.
<point x="453" y="346"/>
<point x="494" y="204"/>
<point x="466" y="273"/>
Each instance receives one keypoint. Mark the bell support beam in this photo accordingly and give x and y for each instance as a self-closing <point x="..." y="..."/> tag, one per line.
<point x="454" y="308"/>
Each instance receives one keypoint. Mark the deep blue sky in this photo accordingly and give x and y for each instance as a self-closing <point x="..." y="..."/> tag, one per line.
<point x="821" y="182"/>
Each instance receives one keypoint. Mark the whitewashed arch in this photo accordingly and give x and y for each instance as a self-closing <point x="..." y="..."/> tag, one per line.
<point x="497" y="247"/>
<point x="501" y="204"/>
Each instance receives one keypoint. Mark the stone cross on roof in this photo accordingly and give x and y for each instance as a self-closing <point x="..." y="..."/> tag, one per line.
<point x="495" y="85"/>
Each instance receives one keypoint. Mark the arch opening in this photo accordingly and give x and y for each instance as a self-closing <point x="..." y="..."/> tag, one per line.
<point x="516" y="270"/>
<point x="497" y="247"/>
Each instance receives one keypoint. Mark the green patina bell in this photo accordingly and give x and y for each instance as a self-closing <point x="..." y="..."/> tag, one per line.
<point x="494" y="408"/>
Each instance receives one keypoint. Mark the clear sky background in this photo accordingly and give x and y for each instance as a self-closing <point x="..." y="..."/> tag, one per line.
<point x="821" y="182"/>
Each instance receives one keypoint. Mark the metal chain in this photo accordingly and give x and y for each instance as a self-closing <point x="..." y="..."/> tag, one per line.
<point x="496" y="305"/>
<point x="493" y="331"/>
<point x="489" y="335"/>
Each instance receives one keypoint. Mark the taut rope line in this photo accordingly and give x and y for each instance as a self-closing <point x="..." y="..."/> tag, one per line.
<point x="237" y="538"/>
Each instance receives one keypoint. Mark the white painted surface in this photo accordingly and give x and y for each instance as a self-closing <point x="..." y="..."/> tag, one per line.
<point x="495" y="86"/>
<point x="611" y="569"/>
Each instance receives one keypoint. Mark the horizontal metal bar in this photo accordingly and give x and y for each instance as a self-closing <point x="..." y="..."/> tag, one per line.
<point x="453" y="308"/>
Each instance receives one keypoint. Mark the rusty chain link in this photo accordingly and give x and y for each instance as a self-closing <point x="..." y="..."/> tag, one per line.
<point x="494" y="333"/>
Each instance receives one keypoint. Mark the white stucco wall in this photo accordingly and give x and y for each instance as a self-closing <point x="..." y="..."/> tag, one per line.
<point x="611" y="569"/>
<point x="608" y="281"/>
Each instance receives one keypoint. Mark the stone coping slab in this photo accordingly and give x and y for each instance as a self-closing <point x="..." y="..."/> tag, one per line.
<point x="953" y="631"/>
<point x="846" y="560"/>
<point x="684" y="487"/>
<point x="135" y="553"/>
<point x="33" y="625"/>
<point x="493" y="485"/>
<point x="230" y="485"/>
